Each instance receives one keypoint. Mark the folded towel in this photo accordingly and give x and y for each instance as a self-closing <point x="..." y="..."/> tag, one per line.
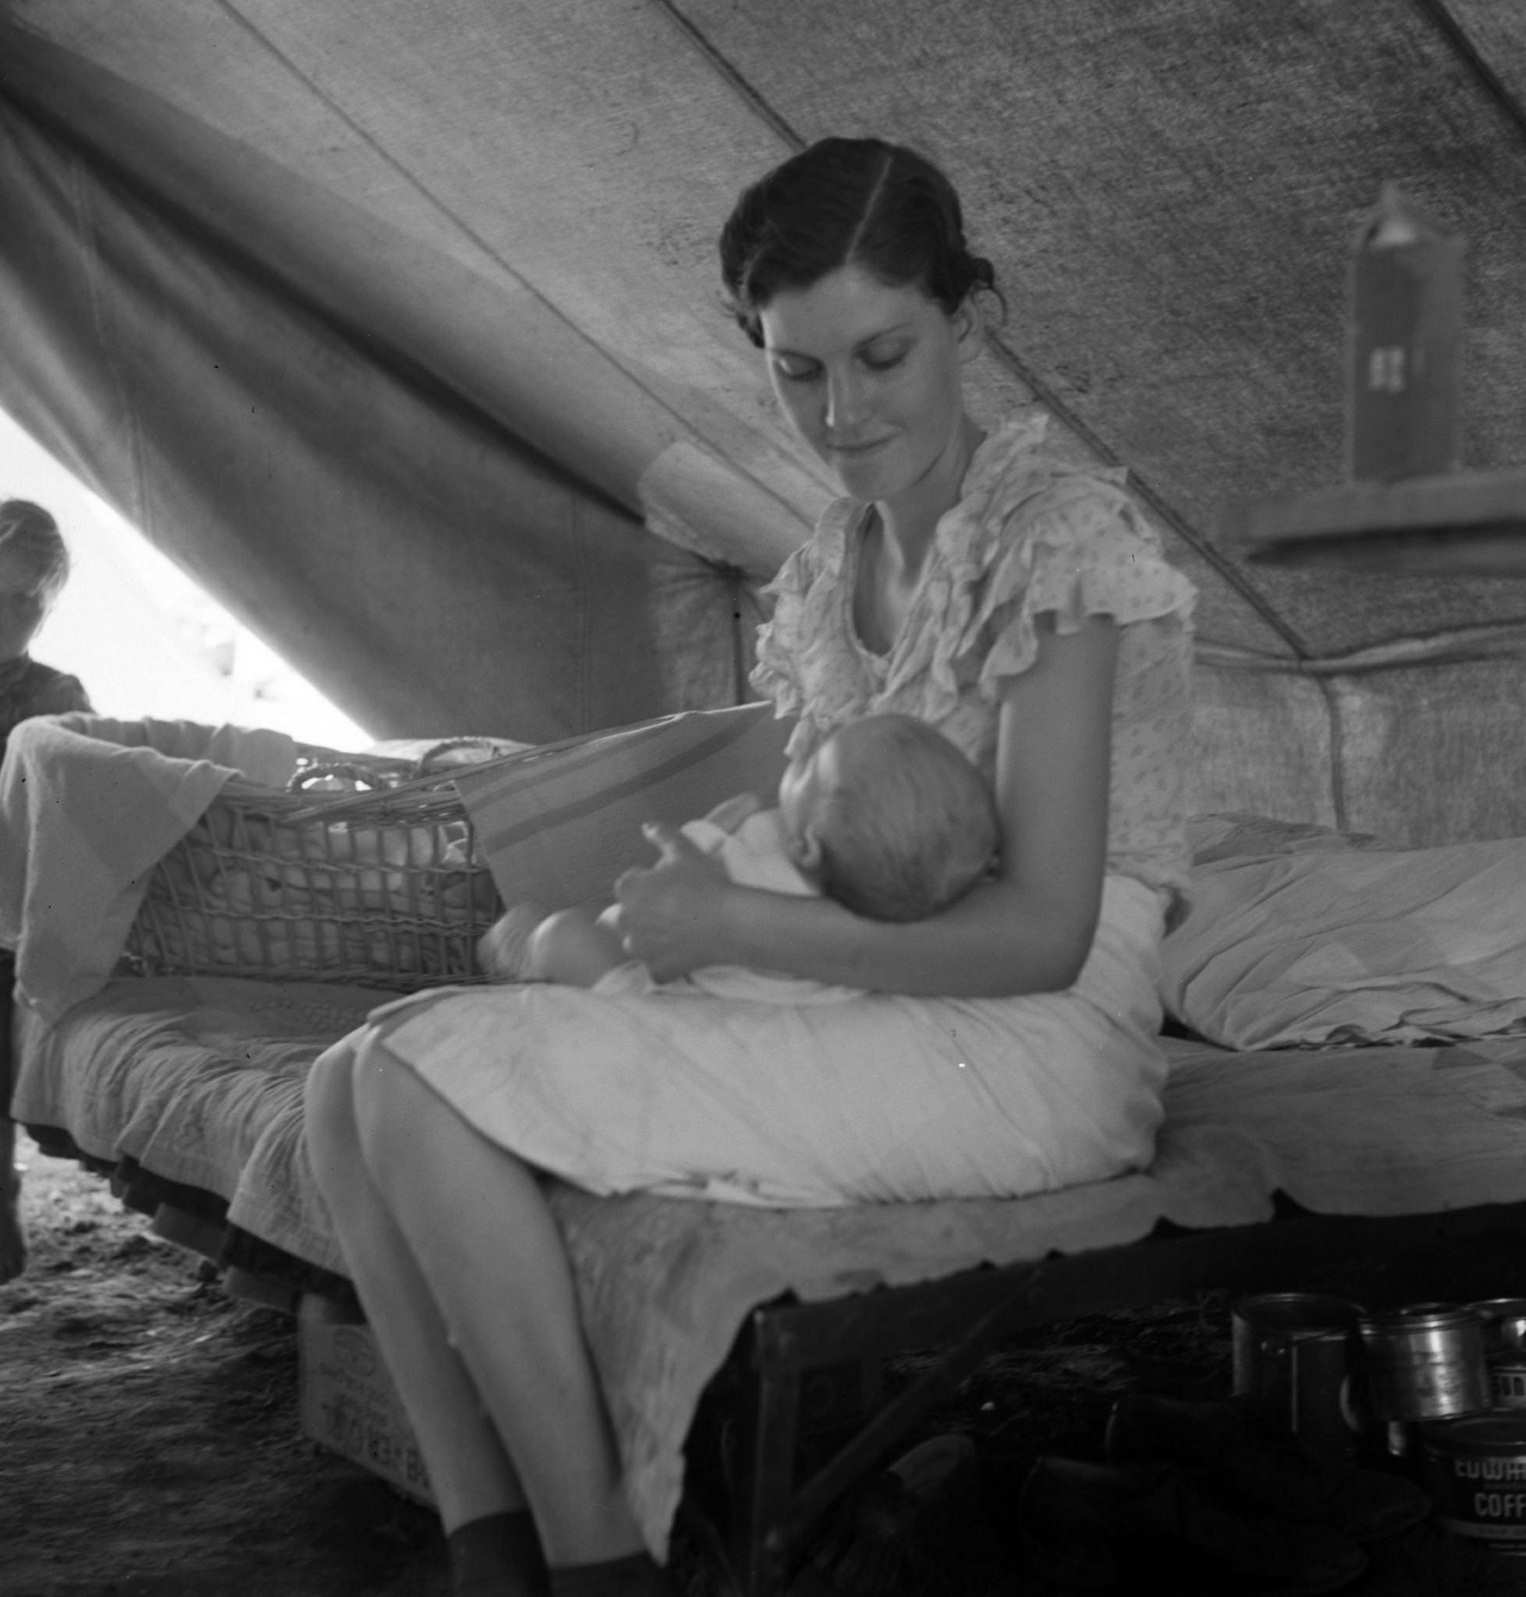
<point x="88" y="806"/>
<point x="557" y="824"/>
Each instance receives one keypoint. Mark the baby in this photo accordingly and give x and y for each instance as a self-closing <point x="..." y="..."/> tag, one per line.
<point x="886" y="816"/>
<point x="34" y="566"/>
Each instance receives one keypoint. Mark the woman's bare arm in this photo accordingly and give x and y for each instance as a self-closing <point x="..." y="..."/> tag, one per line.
<point x="1029" y="930"/>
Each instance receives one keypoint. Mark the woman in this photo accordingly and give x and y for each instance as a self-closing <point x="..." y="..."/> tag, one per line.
<point x="1007" y="1044"/>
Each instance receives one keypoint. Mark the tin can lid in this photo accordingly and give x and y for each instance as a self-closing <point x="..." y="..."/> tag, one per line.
<point x="1292" y="1310"/>
<point x="1500" y="1430"/>
<point x="1500" y="1308"/>
<point x="1419" y="1317"/>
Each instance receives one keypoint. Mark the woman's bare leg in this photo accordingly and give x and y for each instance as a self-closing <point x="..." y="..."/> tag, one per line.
<point x="469" y="1471"/>
<point x="484" y="1239"/>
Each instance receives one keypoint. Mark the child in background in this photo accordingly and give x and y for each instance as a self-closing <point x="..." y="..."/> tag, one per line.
<point x="34" y="566"/>
<point x="887" y="817"/>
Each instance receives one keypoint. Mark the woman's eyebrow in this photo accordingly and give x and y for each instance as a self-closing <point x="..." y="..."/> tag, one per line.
<point x="868" y="338"/>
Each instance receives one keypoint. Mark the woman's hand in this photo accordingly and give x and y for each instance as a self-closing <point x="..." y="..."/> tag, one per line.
<point x="671" y="914"/>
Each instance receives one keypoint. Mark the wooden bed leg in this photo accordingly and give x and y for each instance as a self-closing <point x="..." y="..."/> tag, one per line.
<point x="12" y="1237"/>
<point x="763" y="1554"/>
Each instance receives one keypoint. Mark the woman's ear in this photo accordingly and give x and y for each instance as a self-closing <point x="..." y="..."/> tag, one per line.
<point x="969" y="329"/>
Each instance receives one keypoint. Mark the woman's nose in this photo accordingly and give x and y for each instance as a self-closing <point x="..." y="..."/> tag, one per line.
<point x="845" y="402"/>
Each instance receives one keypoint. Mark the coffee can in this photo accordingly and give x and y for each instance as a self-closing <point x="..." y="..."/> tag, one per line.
<point x="1295" y="1361"/>
<point x="1425" y="1362"/>
<point x="1504" y="1322"/>
<point x="1475" y="1470"/>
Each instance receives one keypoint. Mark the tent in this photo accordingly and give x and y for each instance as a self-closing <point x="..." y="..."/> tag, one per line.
<point x="397" y="325"/>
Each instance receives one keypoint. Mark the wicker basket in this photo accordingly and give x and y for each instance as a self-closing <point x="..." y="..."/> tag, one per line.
<point x="363" y="873"/>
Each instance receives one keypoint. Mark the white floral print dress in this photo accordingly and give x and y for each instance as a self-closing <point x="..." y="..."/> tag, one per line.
<point x="882" y="1097"/>
<point x="1029" y="535"/>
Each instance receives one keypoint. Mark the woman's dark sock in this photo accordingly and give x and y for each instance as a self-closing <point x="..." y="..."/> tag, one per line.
<point x="497" y="1556"/>
<point x="636" y="1575"/>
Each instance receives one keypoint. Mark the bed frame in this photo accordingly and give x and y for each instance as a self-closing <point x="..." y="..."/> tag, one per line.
<point x="796" y="1417"/>
<point x="798" y="1413"/>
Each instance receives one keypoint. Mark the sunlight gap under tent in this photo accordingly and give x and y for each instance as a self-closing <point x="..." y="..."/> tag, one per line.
<point x="142" y="636"/>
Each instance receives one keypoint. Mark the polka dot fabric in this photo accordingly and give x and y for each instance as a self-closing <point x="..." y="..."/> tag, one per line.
<point x="1030" y="536"/>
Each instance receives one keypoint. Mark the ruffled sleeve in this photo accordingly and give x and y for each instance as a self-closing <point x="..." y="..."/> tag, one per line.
<point x="1078" y="548"/>
<point x="775" y="673"/>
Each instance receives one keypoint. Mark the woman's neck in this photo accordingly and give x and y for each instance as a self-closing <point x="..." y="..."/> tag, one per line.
<point x="908" y="521"/>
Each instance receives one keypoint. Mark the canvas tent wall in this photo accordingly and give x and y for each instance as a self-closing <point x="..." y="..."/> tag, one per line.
<point x="397" y="325"/>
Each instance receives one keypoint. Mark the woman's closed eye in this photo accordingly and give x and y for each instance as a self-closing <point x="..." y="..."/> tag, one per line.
<point x="793" y="370"/>
<point x="883" y="360"/>
<point x="797" y="371"/>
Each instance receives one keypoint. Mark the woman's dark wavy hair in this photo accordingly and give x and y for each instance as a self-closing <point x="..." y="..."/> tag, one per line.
<point x="841" y="202"/>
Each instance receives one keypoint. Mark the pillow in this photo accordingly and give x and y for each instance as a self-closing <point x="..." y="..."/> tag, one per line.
<point x="1322" y="938"/>
<point x="1225" y="834"/>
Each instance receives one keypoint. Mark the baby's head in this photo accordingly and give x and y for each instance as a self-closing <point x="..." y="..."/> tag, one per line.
<point x="34" y="565"/>
<point x="889" y="818"/>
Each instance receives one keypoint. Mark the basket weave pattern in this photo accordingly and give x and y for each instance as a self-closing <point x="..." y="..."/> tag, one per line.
<point x="377" y="889"/>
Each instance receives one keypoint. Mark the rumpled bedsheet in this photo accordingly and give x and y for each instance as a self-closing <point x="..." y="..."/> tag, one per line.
<point x="1330" y="944"/>
<point x="200" y="1080"/>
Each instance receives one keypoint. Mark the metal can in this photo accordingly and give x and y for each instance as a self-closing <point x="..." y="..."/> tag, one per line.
<point x="1475" y="1470"/>
<point x="1504" y="1322"/>
<point x="1295" y="1356"/>
<point x="1425" y="1362"/>
<point x="1507" y="1381"/>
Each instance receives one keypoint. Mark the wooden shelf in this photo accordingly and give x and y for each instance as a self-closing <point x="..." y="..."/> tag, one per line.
<point x="1461" y="523"/>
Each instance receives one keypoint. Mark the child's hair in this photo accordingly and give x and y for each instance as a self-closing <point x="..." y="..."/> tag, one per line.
<point x="849" y="202"/>
<point x="31" y="541"/>
<point x="909" y="826"/>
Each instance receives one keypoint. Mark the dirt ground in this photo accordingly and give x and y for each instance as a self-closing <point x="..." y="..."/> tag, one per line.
<point x="149" y="1444"/>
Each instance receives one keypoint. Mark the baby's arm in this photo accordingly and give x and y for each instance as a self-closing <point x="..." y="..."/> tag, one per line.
<point x="729" y="814"/>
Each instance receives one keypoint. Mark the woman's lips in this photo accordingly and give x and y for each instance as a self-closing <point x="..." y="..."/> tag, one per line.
<point x="858" y="449"/>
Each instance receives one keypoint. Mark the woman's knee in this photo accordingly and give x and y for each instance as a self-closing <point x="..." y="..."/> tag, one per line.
<point x="328" y="1109"/>
<point x="392" y="1110"/>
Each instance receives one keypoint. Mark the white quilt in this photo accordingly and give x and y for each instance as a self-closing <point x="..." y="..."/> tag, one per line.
<point x="200" y="1080"/>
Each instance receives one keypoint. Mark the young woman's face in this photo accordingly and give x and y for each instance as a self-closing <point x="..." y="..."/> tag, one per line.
<point x="870" y="376"/>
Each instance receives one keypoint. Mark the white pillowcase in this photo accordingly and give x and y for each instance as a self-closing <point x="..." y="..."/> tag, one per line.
<point x="1329" y="943"/>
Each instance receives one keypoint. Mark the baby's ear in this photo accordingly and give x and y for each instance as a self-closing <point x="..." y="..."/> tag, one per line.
<point x="805" y="850"/>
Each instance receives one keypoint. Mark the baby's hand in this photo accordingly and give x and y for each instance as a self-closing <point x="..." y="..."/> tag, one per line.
<point x="729" y="814"/>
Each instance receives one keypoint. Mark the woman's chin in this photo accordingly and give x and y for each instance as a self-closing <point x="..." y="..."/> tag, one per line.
<point x="871" y="474"/>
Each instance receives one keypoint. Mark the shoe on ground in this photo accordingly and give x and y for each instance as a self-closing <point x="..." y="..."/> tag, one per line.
<point x="1266" y="1468"/>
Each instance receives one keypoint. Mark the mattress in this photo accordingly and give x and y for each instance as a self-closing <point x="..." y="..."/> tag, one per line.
<point x="198" y="1082"/>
